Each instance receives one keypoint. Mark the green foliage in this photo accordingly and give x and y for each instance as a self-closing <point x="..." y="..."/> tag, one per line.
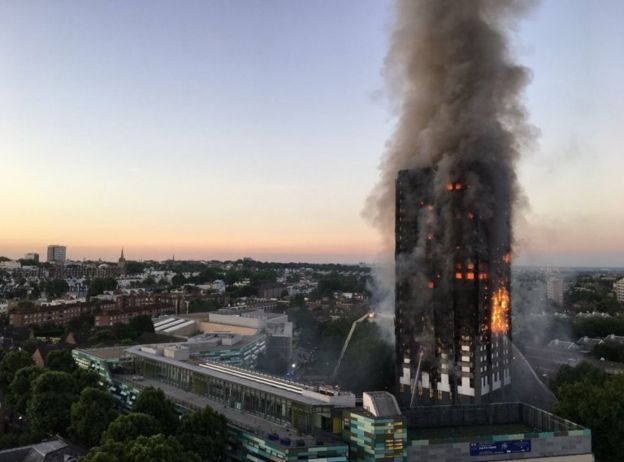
<point x="31" y="345"/>
<point x="134" y="267"/>
<point x="85" y="378"/>
<point x="91" y="415"/>
<point x="130" y="426"/>
<point x="597" y="327"/>
<point x="20" y="390"/>
<point x="60" y="360"/>
<point x="109" y="451"/>
<point x="12" y="362"/>
<point x="275" y="365"/>
<point x="205" y="433"/>
<point x="599" y="406"/>
<point x="56" y="288"/>
<point x="198" y="305"/>
<point x="178" y="280"/>
<point x="368" y="362"/>
<point x="336" y="282"/>
<point x="123" y="333"/>
<point x="156" y="448"/>
<point x="611" y="351"/>
<point x="310" y="328"/>
<point x="152" y="401"/>
<point x="81" y="324"/>
<point x="206" y="275"/>
<point x="140" y="324"/>
<point x="52" y="396"/>
<point x="569" y="375"/>
<point x="98" y="286"/>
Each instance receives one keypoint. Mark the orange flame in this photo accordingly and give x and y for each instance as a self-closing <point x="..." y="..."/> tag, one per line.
<point x="500" y="311"/>
<point x="507" y="258"/>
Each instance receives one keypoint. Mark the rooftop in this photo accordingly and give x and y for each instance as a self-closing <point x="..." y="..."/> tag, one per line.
<point x="293" y="391"/>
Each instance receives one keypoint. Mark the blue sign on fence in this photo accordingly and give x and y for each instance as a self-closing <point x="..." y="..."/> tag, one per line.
<point x="499" y="447"/>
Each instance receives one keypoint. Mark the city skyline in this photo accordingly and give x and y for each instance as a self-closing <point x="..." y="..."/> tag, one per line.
<point x="208" y="133"/>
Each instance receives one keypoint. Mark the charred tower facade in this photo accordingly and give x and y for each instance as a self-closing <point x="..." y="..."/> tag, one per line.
<point x="452" y="307"/>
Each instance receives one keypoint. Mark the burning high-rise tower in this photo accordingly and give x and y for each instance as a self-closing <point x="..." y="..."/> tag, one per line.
<point x="452" y="319"/>
<point x="449" y="173"/>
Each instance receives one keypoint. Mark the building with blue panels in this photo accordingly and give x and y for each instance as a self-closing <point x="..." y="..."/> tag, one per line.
<point x="377" y="431"/>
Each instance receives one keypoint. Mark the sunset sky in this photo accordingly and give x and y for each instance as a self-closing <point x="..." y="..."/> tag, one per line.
<point x="231" y="128"/>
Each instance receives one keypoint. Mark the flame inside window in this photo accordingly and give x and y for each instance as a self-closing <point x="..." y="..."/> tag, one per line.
<point x="500" y="311"/>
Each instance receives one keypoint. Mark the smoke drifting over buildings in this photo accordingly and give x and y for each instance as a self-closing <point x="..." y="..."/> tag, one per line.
<point x="456" y="91"/>
<point x="461" y="126"/>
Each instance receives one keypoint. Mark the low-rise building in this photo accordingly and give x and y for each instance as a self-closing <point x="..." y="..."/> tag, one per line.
<point x="377" y="431"/>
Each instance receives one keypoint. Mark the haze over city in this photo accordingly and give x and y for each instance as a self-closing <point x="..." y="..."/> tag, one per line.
<point x="230" y="129"/>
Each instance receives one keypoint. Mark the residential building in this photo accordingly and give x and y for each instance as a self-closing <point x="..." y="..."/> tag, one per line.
<point x="57" y="254"/>
<point x="124" y="315"/>
<point x="32" y="257"/>
<point x="554" y="290"/>
<point x="52" y="450"/>
<point x="377" y="431"/>
<point x="618" y="287"/>
<point x="452" y="297"/>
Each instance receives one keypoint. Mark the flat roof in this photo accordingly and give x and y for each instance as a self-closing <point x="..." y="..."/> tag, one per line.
<point x="247" y="421"/>
<point x="105" y="352"/>
<point x="434" y="434"/>
<point x="231" y="377"/>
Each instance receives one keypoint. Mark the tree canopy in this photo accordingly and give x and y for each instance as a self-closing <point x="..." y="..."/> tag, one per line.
<point x="12" y="362"/>
<point x="205" y="433"/>
<point x="130" y="426"/>
<point x="60" y="360"/>
<point x="589" y="397"/>
<point x="50" y="406"/>
<point x="91" y="415"/>
<point x="152" y="401"/>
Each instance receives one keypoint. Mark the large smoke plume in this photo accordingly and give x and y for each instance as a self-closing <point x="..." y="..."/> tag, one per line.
<point x="456" y="91"/>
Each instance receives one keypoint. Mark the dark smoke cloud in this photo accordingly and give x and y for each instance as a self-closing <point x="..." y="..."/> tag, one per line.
<point x="456" y="91"/>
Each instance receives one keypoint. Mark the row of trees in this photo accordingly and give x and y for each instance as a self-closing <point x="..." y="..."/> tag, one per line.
<point x="65" y="400"/>
<point x="153" y="432"/>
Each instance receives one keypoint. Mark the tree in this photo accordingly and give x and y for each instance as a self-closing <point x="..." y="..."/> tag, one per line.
<point x="158" y="448"/>
<point x="570" y="375"/>
<point x="12" y="362"/>
<point x="152" y="401"/>
<point x="178" y="280"/>
<point x="205" y="433"/>
<point x="611" y="351"/>
<point x="49" y="408"/>
<point x="109" y="451"/>
<point x="134" y="267"/>
<point x="98" y="286"/>
<point x="600" y="407"/>
<point x="130" y="426"/>
<point x="56" y="288"/>
<point x="20" y="390"/>
<point x="141" y="324"/>
<point x="85" y="378"/>
<point x="155" y="448"/>
<point x="61" y="360"/>
<point x="91" y="415"/>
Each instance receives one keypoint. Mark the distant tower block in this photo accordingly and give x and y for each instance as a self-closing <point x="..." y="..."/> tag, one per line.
<point x="452" y="306"/>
